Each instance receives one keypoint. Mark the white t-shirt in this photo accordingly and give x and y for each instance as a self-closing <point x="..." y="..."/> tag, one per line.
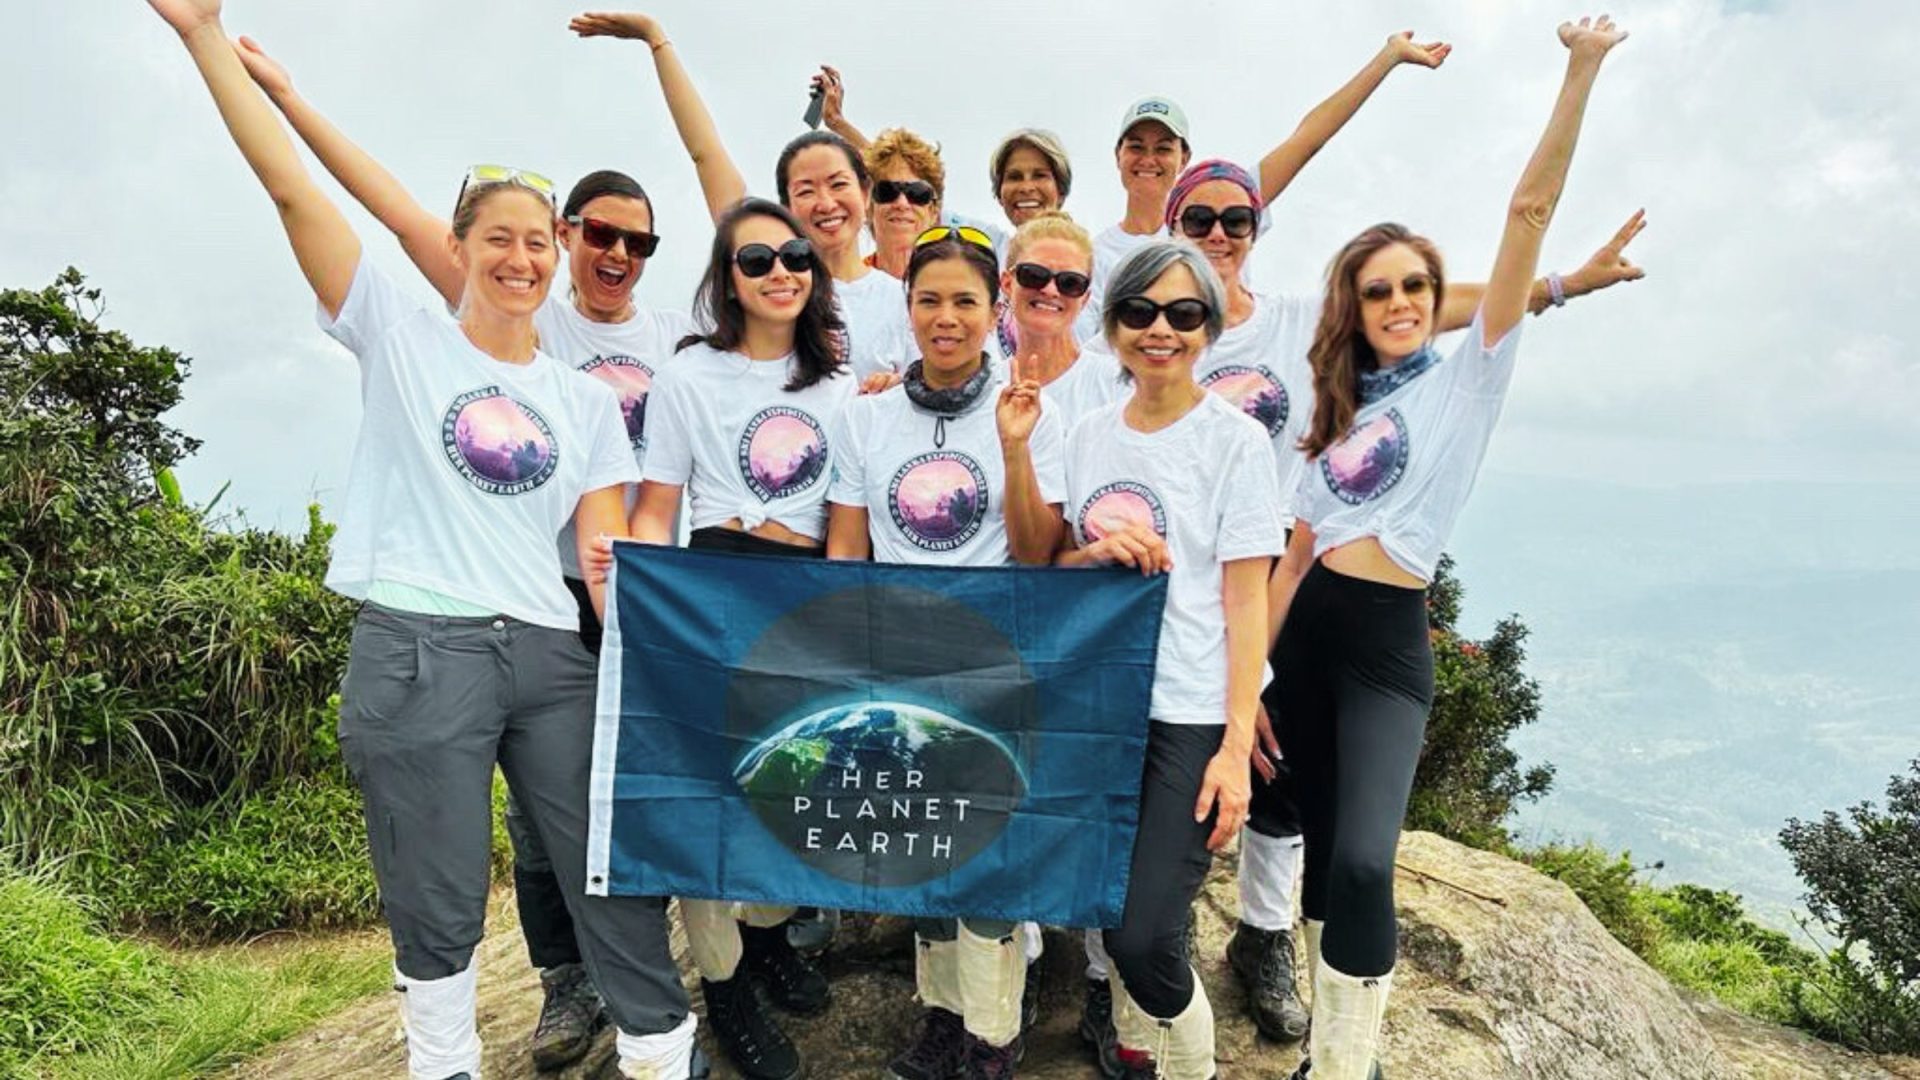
<point x="1404" y="470"/>
<point x="1206" y="484"/>
<point x="934" y="491"/>
<point x="1261" y="366"/>
<point x="624" y="355"/>
<point x="874" y="308"/>
<point x="1093" y="382"/>
<point x="725" y="428"/>
<point x="465" y="467"/>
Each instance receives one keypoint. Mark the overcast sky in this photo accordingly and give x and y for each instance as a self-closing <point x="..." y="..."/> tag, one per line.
<point x="1772" y="143"/>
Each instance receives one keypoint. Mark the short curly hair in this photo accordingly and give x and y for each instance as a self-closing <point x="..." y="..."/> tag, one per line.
<point x="916" y="153"/>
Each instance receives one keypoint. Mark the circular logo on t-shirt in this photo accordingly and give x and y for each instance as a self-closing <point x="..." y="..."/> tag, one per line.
<point x="1255" y="390"/>
<point x="1117" y="506"/>
<point x="938" y="499"/>
<point x="1368" y="461"/>
<point x="631" y="380"/>
<point x="498" y="443"/>
<point x="782" y="451"/>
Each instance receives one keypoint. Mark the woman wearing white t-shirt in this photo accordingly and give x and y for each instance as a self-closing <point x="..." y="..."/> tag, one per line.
<point x="819" y="176"/>
<point x="606" y="229"/>
<point x="1175" y="480"/>
<point x="1397" y="435"/>
<point x="477" y="448"/>
<point x="738" y="423"/>
<point x="957" y="466"/>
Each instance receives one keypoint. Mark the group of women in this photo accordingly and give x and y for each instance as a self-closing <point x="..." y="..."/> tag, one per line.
<point x="1035" y="395"/>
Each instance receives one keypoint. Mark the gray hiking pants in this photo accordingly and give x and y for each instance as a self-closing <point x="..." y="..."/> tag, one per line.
<point x="429" y="705"/>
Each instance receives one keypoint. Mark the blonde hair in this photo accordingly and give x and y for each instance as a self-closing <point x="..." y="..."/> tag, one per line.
<point x="916" y="153"/>
<point x="1052" y="225"/>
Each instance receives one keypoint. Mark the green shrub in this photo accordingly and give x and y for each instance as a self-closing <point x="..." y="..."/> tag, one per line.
<point x="62" y="974"/>
<point x="1609" y="887"/>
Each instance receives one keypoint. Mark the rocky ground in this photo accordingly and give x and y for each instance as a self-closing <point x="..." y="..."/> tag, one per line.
<point x="1504" y="975"/>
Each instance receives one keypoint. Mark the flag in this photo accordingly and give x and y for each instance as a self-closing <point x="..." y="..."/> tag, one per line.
<point x="928" y="741"/>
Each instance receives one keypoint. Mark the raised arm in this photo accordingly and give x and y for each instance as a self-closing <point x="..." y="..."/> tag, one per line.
<point x="1538" y="192"/>
<point x="832" y="107"/>
<point x="720" y="179"/>
<point x="1608" y="267"/>
<point x="1285" y="161"/>
<point x="422" y="234"/>
<point x="323" y="242"/>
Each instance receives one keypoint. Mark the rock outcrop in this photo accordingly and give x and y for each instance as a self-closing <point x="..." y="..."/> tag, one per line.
<point x="1504" y="974"/>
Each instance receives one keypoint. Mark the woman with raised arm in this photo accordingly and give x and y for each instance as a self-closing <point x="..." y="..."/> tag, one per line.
<point x="958" y="466"/>
<point x="1176" y="480"/>
<point x="1396" y="438"/>
<point x="1260" y="364"/>
<point x="819" y="176"/>
<point x="739" y="424"/>
<point x="606" y="230"/>
<point x="478" y="449"/>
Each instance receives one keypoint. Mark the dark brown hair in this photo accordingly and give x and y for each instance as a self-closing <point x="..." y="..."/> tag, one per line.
<point x="952" y="247"/>
<point x="819" y="338"/>
<point x="1340" y="351"/>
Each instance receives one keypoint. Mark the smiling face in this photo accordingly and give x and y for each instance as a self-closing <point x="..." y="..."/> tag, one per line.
<point x="603" y="281"/>
<point x="779" y="296"/>
<point x="508" y="253"/>
<point x="1225" y="253"/>
<point x="824" y="192"/>
<point x="1398" y="325"/>
<point x="1160" y="354"/>
<point x="1043" y="311"/>
<point x="1150" y="157"/>
<point x="951" y="311"/>
<point x="1028" y="186"/>
<point x="899" y="221"/>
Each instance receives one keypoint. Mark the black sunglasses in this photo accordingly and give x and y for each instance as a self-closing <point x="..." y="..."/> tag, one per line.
<point x="756" y="260"/>
<point x="1238" y="221"/>
<point x="918" y="192"/>
<point x="1414" y="285"/>
<point x="1138" y="313"/>
<point x="1071" y="283"/>
<point x="602" y="235"/>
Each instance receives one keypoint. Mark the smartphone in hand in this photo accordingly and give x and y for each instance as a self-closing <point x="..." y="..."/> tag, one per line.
<point x="815" y="101"/>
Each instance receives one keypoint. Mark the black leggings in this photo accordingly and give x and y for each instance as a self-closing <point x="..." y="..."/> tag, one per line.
<point x="1352" y="683"/>
<point x="1170" y="863"/>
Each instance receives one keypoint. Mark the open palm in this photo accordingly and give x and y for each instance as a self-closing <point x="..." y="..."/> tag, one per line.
<point x="1591" y="35"/>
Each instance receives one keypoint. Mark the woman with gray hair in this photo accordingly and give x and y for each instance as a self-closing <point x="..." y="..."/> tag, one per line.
<point x="1176" y="480"/>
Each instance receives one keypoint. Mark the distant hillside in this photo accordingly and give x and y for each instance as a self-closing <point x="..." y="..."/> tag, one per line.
<point x="1742" y="654"/>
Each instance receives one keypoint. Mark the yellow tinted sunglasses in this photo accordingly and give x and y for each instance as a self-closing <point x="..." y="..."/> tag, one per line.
<point x="483" y="175"/>
<point x="964" y="233"/>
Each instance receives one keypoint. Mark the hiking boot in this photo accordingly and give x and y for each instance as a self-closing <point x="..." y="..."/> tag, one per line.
<point x="791" y="980"/>
<point x="570" y="1017"/>
<point x="1096" y="1026"/>
<point x="1263" y="961"/>
<point x="811" y="929"/>
<point x="1306" y="1070"/>
<point x="1030" y="999"/>
<point x="938" y="1052"/>
<point x="749" y="1038"/>
<point x="986" y="1061"/>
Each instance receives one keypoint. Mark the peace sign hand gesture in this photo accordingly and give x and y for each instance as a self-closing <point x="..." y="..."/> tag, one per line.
<point x="1018" y="410"/>
<point x="1610" y="265"/>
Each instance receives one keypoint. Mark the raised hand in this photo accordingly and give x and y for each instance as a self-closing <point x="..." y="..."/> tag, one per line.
<point x="1591" y="36"/>
<point x="1609" y="265"/>
<point x="1404" y="50"/>
<point x="266" y="71"/>
<point x="1018" y="410"/>
<point x="620" y="24"/>
<point x="835" y="95"/>
<point x="186" y="16"/>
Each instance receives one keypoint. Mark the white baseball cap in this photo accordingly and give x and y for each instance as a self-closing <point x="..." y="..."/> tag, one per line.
<point x="1165" y="110"/>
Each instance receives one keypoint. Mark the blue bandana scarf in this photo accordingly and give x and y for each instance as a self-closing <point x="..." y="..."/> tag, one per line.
<point x="1380" y="382"/>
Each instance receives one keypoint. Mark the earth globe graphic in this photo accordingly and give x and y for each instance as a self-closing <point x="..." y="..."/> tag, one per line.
<point x="883" y="792"/>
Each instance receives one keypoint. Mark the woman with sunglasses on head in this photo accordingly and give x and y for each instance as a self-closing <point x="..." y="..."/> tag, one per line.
<point x="1175" y="480"/>
<point x="739" y="425"/>
<point x="819" y="176"/>
<point x="606" y="230"/>
<point x="1397" y="435"/>
<point x="477" y="449"/>
<point x="958" y="466"/>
